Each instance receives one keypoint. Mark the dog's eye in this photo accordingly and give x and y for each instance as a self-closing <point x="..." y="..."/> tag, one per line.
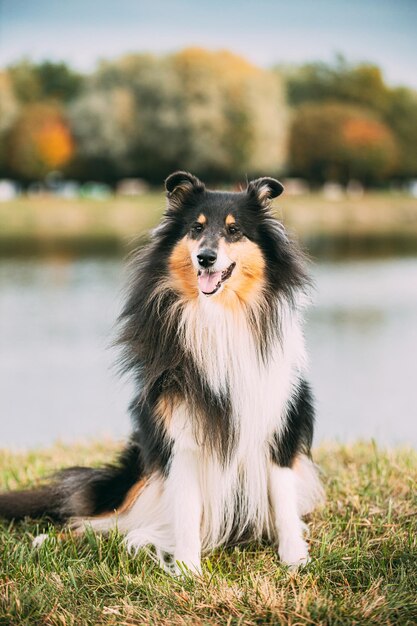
<point x="232" y="229"/>
<point x="197" y="228"/>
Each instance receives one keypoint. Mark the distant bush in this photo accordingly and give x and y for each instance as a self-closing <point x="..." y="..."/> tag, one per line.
<point x="333" y="141"/>
<point x="39" y="141"/>
<point x="35" y="82"/>
<point x="9" y="110"/>
<point x="363" y="85"/>
<point x="401" y="116"/>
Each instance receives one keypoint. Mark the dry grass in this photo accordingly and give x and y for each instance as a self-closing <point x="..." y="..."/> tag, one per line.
<point x="363" y="544"/>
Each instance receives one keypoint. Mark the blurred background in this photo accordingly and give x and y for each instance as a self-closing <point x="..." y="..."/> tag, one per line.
<point x="100" y="101"/>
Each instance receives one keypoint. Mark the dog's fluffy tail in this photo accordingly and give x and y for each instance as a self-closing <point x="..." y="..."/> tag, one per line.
<point x="39" y="502"/>
<point x="77" y="491"/>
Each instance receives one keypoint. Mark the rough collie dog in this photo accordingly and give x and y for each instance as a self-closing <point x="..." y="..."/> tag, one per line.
<point x="223" y="414"/>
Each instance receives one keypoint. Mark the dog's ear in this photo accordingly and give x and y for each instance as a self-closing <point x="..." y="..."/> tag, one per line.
<point x="264" y="189"/>
<point x="180" y="183"/>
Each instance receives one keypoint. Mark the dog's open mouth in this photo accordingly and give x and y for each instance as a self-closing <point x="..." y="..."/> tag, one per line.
<point x="209" y="282"/>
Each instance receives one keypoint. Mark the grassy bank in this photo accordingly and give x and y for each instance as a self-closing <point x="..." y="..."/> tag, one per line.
<point x="376" y="223"/>
<point x="363" y="544"/>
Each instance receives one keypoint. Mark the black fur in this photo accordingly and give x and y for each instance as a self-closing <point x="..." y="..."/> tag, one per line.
<point x="45" y="501"/>
<point x="273" y="187"/>
<point x="103" y="489"/>
<point x="298" y="434"/>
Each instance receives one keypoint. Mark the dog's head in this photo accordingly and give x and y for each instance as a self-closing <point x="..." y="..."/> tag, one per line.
<point x="221" y="239"/>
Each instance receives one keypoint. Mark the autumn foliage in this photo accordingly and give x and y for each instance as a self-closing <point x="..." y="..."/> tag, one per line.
<point x="334" y="141"/>
<point x="214" y="113"/>
<point x="381" y="134"/>
<point x="40" y="141"/>
<point x="210" y="112"/>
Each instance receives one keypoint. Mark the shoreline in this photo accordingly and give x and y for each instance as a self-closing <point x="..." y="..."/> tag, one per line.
<point x="329" y="246"/>
<point x="378" y="224"/>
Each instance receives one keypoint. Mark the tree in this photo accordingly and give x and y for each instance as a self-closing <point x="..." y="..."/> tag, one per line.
<point x="39" y="141"/>
<point x="235" y="114"/>
<point x="35" y="82"/>
<point x="58" y="81"/>
<point x="9" y="110"/>
<point x="102" y="125"/>
<point x="361" y="84"/>
<point x="402" y="119"/>
<point x="333" y="141"/>
<point x="214" y="113"/>
<point x="127" y="121"/>
<point x="25" y="82"/>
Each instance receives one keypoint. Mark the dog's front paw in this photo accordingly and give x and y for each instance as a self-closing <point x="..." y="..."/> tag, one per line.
<point x="167" y="563"/>
<point x="135" y="540"/>
<point x="180" y="568"/>
<point x="187" y="565"/>
<point x="294" y="553"/>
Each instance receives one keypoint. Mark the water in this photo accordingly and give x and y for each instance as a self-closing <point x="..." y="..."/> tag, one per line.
<point x="57" y="323"/>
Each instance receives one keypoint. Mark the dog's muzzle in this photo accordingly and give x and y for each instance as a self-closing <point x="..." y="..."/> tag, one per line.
<point x="209" y="282"/>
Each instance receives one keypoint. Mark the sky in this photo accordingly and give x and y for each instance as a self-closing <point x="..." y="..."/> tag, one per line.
<point x="266" y="32"/>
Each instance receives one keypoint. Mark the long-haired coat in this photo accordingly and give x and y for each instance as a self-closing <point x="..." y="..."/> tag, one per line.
<point x="223" y="415"/>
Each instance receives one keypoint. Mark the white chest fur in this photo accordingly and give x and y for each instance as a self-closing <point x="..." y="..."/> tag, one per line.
<point x="223" y="346"/>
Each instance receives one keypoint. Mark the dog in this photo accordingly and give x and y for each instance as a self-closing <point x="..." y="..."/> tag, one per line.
<point x="223" y="414"/>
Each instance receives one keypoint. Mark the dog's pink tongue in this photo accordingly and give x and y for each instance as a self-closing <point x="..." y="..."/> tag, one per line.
<point x="207" y="281"/>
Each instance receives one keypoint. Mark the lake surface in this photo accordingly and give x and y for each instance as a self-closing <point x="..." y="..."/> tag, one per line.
<point x="57" y="374"/>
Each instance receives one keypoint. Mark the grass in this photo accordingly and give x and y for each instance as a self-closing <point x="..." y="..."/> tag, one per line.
<point x="377" y="222"/>
<point x="363" y="569"/>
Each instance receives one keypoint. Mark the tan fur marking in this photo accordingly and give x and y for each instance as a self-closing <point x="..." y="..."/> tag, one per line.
<point x="127" y="503"/>
<point x="264" y="193"/>
<point x="230" y="220"/>
<point x="164" y="409"/>
<point x="248" y="278"/>
<point x="201" y="219"/>
<point x="244" y="286"/>
<point x="182" y="270"/>
<point x="131" y="496"/>
<point x="296" y="463"/>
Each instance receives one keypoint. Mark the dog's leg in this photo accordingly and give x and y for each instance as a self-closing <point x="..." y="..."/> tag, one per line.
<point x="292" y="548"/>
<point x="184" y="496"/>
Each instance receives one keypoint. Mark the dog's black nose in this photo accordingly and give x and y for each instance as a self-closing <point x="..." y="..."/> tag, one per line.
<point x="206" y="257"/>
